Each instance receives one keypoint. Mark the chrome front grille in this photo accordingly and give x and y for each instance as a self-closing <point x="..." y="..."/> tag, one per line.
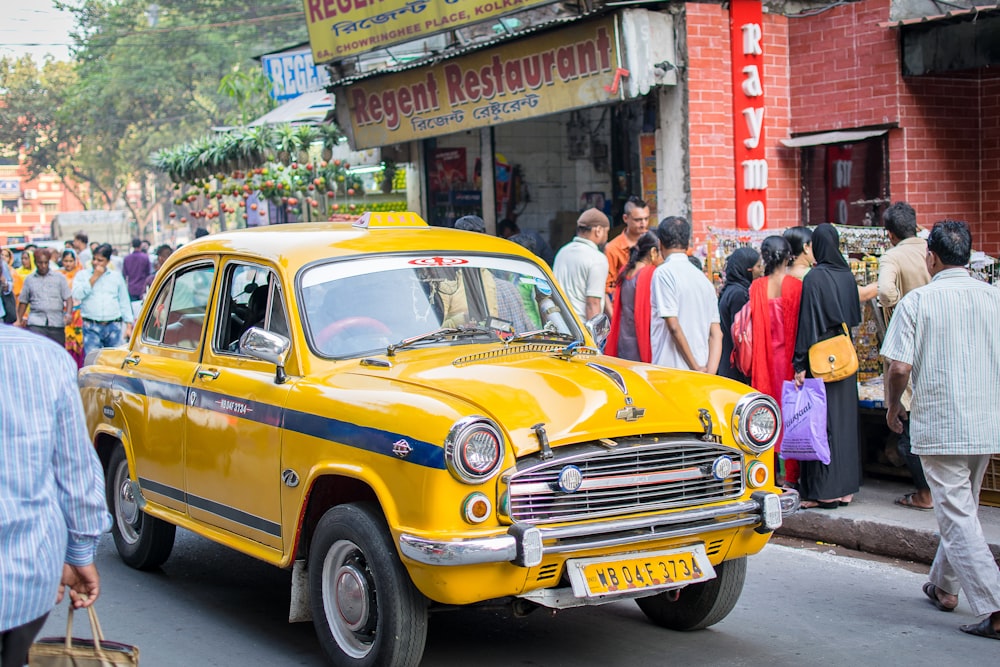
<point x="622" y="477"/>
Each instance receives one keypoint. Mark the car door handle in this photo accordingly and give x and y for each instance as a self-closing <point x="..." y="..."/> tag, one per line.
<point x="207" y="373"/>
<point x="131" y="360"/>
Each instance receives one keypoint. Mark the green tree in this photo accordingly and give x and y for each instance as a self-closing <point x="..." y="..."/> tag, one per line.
<point x="30" y="123"/>
<point x="137" y="86"/>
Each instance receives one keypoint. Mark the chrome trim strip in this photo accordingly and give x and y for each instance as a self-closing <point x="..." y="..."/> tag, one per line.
<point x="458" y="552"/>
<point x="503" y="548"/>
<point x="618" y="525"/>
<point x="647" y="537"/>
<point x="693" y="473"/>
<point x="790" y="502"/>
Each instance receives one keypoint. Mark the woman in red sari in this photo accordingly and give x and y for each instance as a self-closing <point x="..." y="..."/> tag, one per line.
<point x="774" y="317"/>
<point x="630" y="319"/>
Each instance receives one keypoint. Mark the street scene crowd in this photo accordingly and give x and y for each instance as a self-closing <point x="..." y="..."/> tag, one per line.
<point x="797" y="291"/>
<point x="777" y="302"/>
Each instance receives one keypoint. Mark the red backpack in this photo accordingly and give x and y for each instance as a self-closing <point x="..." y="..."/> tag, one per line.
<point x="742" y="332"/>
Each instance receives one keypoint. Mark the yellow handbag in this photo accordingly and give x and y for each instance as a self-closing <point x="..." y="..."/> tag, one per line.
<point x="835" y="358"/>
<point x="73" y="652"/>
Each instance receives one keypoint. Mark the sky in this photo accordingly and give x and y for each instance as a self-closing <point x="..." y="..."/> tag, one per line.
<point x="35" y="27"/>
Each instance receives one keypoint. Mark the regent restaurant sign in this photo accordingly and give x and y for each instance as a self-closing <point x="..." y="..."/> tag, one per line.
<point x="341" y="28"/>
<point x="567" y="69"/>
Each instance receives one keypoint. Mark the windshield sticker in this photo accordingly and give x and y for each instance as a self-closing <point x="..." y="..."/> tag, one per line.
<point x="438" y="261"/>
<point x="543" y="286"/>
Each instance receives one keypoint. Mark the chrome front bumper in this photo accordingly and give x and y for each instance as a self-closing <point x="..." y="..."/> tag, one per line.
<point x="526" y="545"/>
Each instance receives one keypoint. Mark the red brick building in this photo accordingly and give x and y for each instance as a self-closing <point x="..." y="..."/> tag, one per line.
<point x="932" y="139"/>
<point x="28" y="205"/>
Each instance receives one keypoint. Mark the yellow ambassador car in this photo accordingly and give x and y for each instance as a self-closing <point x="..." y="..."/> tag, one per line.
<point x="412" y="418"/>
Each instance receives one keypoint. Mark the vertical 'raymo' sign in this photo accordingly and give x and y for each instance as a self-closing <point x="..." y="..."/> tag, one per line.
<point x="747" y="43"/>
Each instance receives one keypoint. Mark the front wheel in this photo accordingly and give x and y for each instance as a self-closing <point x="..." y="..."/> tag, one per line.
<point x="699" y="605"/>
<point x="143" y="542"/>
<point x="366" y="610"/>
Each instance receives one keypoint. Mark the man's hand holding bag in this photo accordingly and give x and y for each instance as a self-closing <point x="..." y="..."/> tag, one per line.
<point x="71" y="652"/>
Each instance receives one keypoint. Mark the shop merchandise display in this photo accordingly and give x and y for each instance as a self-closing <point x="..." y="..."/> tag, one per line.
<point x="863" y="247"/>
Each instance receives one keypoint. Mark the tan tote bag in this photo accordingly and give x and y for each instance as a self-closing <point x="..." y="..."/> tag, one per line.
<point x="72" y="652"/>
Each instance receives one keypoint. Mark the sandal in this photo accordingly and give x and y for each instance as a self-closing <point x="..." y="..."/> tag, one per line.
<point x="931" y="591"/>
<point x="819" y="504"/>
<point x="907" y="501"/>
<point x="983" y="628"/>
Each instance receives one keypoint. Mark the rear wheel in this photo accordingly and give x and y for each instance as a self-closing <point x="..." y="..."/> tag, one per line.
<point x="365" y="608"/>
<point x="699" y="605"/>
<point x="143" y="542"/>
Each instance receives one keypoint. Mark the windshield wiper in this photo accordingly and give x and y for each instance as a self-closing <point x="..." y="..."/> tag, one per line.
<point x="549" y="331"/>
<point x="439" y="334"/>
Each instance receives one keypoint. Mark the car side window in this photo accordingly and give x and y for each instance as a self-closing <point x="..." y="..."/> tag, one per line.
<point x="181" y="323"/>
<point x="156" y="320"/>
<point x="252" y="299"/>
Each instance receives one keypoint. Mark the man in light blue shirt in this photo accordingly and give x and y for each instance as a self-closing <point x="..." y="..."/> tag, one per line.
<point x="51" y="491"/>
<point x="104" y="303"/>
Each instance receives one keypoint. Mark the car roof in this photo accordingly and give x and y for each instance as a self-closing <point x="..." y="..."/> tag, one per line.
<point x="297" y="244"/>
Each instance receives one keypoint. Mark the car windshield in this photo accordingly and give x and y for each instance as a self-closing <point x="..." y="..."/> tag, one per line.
<point x="357" y="307"/>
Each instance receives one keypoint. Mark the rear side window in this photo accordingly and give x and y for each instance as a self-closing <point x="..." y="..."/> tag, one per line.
<point x="177" y="318"/>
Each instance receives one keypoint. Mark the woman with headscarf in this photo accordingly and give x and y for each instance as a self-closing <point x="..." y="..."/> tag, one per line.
<point x="741" y="268"/>
<point x="27" y="263"/>
<point x="774" y="321"/>
<point x="74" y="330"/>
<point x="630" y="319"/>
<point x="830" y="300"/>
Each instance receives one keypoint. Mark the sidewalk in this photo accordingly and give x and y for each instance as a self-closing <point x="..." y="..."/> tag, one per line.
<point x="875" y="524"/>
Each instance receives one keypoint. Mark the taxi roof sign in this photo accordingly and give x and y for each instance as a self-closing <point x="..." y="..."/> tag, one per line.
<point x="379" y="220"/>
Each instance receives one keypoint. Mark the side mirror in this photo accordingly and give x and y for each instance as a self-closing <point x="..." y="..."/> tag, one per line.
<point x="266" y="346"/>
<point x="600" y="327"/>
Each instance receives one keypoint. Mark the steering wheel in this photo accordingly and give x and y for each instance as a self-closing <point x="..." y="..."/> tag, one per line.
<point x="358" y="324"/>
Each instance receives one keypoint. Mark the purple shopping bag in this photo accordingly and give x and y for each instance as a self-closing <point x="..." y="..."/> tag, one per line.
<point x="803" y="413"/>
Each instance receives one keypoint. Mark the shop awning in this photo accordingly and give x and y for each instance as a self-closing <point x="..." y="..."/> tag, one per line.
<point x="913" y="12"/>
<point x="838" y="137"/>
<point x="306" y="109"/>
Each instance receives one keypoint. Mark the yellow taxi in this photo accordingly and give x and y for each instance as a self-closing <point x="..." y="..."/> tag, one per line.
<point x="412" y="418"/>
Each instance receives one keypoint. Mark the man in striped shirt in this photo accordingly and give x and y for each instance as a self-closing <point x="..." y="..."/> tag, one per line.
<point x="52" y="506"/>
<point x="945" y="336"/>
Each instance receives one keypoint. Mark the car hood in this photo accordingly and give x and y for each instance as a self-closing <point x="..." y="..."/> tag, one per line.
<point x="586" y="397"/>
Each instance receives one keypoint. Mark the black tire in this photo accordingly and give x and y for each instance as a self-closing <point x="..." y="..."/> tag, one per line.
<point x="143" y="542"/>
<point x="699" y="605"/>
<point x="378" y="617"/>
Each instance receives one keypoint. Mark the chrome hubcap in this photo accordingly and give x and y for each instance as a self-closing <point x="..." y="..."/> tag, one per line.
<point x="352" y="597"/>
<point x="349" y="599"/>
<point x="127" y="515"/>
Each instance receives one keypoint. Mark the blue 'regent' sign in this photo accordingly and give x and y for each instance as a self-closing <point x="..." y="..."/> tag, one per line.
<point x="292" y="73"/>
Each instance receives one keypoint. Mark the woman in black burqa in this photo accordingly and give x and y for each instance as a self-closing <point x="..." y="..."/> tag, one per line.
<point x="830" y="298"/>
<point x="741" y="269"/>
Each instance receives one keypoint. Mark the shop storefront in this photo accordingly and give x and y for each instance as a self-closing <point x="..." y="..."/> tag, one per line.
<point x="532" y="130"/>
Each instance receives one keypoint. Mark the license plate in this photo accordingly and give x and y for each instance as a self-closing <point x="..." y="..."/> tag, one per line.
<point x="615" y="575"/>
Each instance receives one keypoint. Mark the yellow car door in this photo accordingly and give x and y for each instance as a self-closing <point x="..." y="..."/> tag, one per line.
<point x="234" y="414"/>
<point x="152" y="393"/>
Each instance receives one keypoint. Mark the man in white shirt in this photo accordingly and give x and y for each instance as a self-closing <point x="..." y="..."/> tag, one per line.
<point x="580" y="266"/>
<point x="684" y="329"/>
<point x="944" y="336"/>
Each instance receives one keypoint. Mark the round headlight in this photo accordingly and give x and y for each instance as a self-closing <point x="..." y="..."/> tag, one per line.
<point x="757" y="422"/>
<point x="473" y="450"/>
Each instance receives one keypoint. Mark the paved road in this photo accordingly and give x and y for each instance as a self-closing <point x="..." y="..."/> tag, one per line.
<point x="210" y="606"/>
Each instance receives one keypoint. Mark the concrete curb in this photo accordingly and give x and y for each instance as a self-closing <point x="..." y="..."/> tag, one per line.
<point x="884" y="539"/>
